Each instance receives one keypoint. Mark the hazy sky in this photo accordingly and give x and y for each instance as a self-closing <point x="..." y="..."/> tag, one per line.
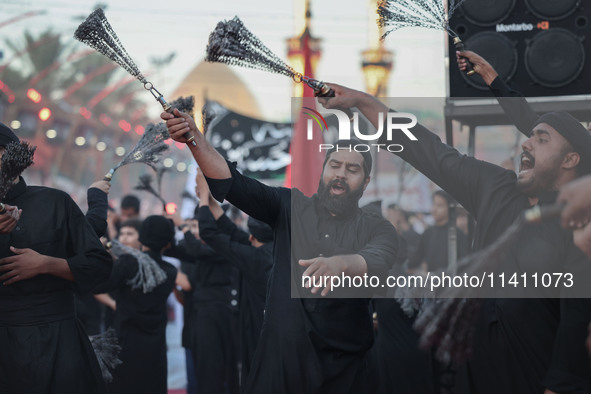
<point x="149" y="28"/>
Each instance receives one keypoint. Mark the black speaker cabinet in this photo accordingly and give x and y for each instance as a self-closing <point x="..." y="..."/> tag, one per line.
<point x="541" y="47"/>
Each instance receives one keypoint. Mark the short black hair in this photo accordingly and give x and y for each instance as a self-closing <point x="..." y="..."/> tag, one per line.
<point x="130" y="201"/>
<point x="449" y="199"/>
<point x="133" y="223"/>
<point x="395" y="207"/>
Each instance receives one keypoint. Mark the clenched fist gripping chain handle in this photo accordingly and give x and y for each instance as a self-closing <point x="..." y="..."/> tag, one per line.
<point x="431" y="14"/>
<point x="233" y="44"/>
<point x="97" y="33"/>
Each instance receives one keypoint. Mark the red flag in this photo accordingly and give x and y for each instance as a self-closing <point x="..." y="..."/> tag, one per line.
<point x="306" y="162"/>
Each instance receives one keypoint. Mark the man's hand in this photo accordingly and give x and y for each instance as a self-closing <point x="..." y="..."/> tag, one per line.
<point x="9" y="219"/>
<point x="25" y="264"/>
<point x="344" y="98"/>
<point x="179" y="124"/>
<point x="577" y="211"/>
<point x="103" y="185"/>
<point x="481" y="66"/>
<point x="319" y="267"/>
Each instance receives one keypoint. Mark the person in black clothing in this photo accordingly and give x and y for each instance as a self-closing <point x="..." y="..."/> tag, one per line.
<point x="515" y="106"/>
<point x="250" y="254"/>
<point x="212" y="324"/>
<point x="432" y="252"/>
<point x="48" y="252"/>
<point x="520" y="345"/>
<point x="523" y="116"/>
<point x="88" y="308"/>
<point x="399" y="219"/>
<point x="98" y="204"/>
<point x="129" y="235"/>
<point x="140" y="319"/>
<point x="404" y="367"/>
<point x="314" y="344"/>
<point x="130" y="207"/>
<point x="184" y="292"/>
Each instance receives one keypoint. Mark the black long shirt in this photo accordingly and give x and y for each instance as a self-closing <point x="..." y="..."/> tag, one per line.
<point x="98" y="205"/>
<point x="88" y="309"/>
<point x="44" y="348"/>
<point x="310" y="345"/>
<point x="515" y="106"/>
<point x="140" y="321"/>
<point x="213" y="333"/>
<point x="254" y="265"/>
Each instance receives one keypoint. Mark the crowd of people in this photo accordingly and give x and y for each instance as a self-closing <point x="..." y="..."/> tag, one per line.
<point x="251" y="324"/>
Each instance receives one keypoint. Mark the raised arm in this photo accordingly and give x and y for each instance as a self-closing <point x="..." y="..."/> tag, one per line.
<point x="225" y="182"/>
<point x="468" y="180"/>
<point x="98" y="205"/>
<point x="209" y="160"/>
<point x="515" y="106"/>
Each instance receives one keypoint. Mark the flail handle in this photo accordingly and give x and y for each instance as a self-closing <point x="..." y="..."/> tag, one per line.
<point x="109" y="175"/>
<point x="167" y="107"/>
<point x="539" y="213"/>
<point x="325" y="91"/>
<point x="460" y="47"/>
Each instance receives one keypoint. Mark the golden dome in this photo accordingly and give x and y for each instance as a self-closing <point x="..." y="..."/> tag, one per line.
<point x="216" y="81"/>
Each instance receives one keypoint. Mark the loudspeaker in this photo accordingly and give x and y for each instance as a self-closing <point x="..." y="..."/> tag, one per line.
<point x="538" y="46"/>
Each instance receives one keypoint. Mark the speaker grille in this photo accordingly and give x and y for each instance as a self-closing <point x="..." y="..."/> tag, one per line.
<point x="498" y="50"/>
<point x="487" y="12"/>
<point x="552" y="9"/>
<point x="555" y="57"/>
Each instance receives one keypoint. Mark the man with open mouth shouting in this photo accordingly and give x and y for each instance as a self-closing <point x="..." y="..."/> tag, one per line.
<point x="312" y="340"/>
<point x="531" y="345"/>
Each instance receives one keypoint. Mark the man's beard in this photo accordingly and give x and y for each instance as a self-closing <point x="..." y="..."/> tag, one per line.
<point x="544" y="180"/>
<point x="342" y="204"/>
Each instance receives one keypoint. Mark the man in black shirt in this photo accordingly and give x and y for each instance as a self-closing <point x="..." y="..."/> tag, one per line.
<point x="524" y="345"/>
<point x="432" y="253"/>
<point x="317" y="344"/>
<point x="399" y="219"/>
<point x="251" y="254"/>
<point x="48" y="252"/>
